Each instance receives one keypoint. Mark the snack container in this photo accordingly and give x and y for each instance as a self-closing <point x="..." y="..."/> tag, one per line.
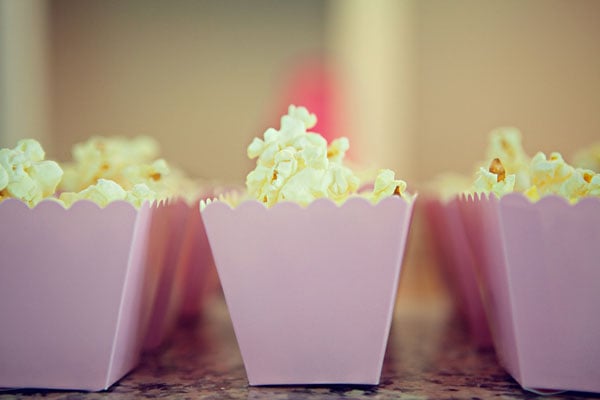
<point x="539" y="272"/>
<point x="75" y="290"/>
<point x="310" y="290"/>
<point x="199" y="271"/>
<point x="167" y="302"/>
<point x="457" y="264"/>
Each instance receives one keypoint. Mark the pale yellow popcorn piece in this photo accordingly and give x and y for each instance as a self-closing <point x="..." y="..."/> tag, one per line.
<point x="107" y="158"/>
<point x="532" y="193"/>
<point x="26" y="175"/>
<point x="340" y="182"/>
<point x="3" y="179"/>
<point x="32" y="149"/>
<point x="505" y="144"/>
<point x="296" y="165"/>
<point x="302" y="114"/>
<point x="594" y="185"/>
<point x="139" y="194"/>
<point x="337" y="149"/>
<point x="582" y="183"/>
<point x="153" y="175"/>
<point x="554" y="176"/>
<point x="386" y="185"/>
<point x="494" y="179"/>
<point x="102" y="193"/>
<point x="548" y="175"/>
<point x="304" y="187"/>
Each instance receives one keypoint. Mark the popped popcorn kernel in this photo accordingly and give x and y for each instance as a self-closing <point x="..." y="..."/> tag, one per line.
<point x="302" y="114"/>
<point x="110" y="158"/>
<point x="337" y="149"/>
<point x="535" y="177"/>
<point x="32" y="148"/>
<point x="532" y="193"/>
<point x="25" y="175"/>
<point x="102" y="193"/>
<point x="297" y="165"/>
<point x="139" y="194"/>
<point x="550" y="174"/>
<point x="3" y="179"/>
<point x="494" y="179"/>
<point x="128" y="162"/>
<point x="293" y="164"/>
<point x="505" y="144"/>
<point x="497" y="168"/>
<point x="386" y="185"/>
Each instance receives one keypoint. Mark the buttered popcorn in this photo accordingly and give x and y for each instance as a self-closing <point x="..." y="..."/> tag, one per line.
<point x="116" y="168"/>
<point x="553" y="175"/>
<point x="297" y="165"/>
<point x="494" y="179"/>
<point x="536" y="177"/>
<point x="25" y="175"/>
<point x="505" y="144"/>
<point x="127" y="161"/>
<point x="103" y="170"/>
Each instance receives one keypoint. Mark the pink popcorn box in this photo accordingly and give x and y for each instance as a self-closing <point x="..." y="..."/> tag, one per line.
<point x="458" y="266"/>
<point x="310" y="291"/>
<point x="75" y="289"/>
<point x="199" y="271"/>
<point x="168" y="300"/>
<point x="539" y="271"/>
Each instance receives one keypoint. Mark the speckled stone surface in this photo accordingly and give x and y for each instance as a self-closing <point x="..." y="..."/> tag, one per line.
<point x="428" y="357"/>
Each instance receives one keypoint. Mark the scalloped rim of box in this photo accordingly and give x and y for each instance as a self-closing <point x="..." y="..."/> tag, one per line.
<point x="518" y="197"/>
<point x="85" y="203"/>
<point x="321" y="202"/>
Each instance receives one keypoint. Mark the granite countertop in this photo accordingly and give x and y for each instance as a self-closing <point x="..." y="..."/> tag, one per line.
<point x="428" y="357"/>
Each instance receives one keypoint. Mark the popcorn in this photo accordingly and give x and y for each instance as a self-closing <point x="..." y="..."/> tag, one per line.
<point x="549" y="174"/>
<point x="129" y="163"/>
<point x="296" y="165"/>
<point x="337" y="149"/>
<point x="25" y="175"/>
<point x="536" y="177"/>
<point x="152" y="175"/>
<point x="114" y="158"/>
<point x="102" y="193"/>
<point x="3" y="178"/>
<point x="139" y="194"/>
<point x="494" y="179"/>
<point x="555" y="176"/>
<point x="505" y="144"/>
<point x="386" y="185"/>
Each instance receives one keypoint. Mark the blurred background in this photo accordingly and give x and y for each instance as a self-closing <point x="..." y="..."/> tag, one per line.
<point x="416" y="85"/>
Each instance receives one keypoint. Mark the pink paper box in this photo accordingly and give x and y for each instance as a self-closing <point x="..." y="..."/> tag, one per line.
<point x="169" y="293"/>
<point x="199" y="271"/>
<point x="458" y="266"/>
<point x="310" y="291"/>
<point x="540" y="272"/>
<point x="75" y="289"/>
